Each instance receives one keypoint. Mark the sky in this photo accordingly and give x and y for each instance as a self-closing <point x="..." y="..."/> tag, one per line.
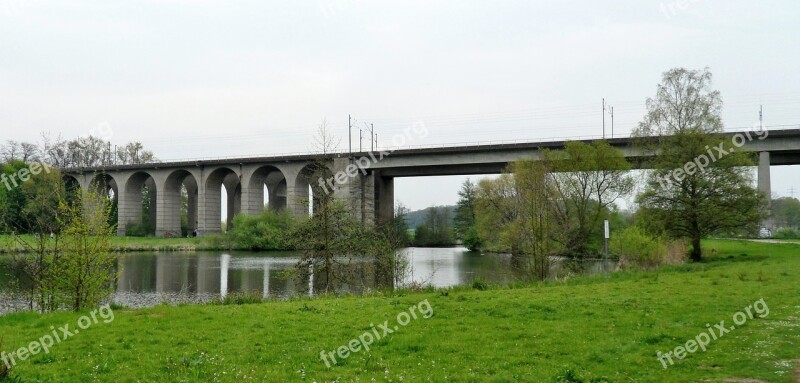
<point x="203" y="78"/>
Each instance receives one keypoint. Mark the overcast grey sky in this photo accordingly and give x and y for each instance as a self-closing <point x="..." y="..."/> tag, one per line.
<point x="202" y="78"/>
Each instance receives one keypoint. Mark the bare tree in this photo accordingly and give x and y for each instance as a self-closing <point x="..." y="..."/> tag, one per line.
<point x="325" y="141"/>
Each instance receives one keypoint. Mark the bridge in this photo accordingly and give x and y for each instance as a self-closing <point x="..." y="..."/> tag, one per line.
<point x="364" y="181"/>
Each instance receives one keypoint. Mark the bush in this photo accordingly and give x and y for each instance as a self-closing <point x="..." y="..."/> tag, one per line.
<point x="636" y="248"/>
<point x="142" y="229"/>
<point x="266" y="231"/>
<point x="471" y="240"/>
<point x="786" y="233"/>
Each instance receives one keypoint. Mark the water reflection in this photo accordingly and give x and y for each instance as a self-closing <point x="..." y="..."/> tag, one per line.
<point x="147" y="279"/>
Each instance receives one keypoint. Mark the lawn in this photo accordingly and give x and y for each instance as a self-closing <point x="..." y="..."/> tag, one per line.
<point x="601" y="328"/>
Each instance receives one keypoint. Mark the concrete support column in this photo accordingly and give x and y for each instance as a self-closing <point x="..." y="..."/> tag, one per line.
<point x="153" y="208"/>
<point x="129" y="209"/>
<point x="202" y="204"/>
<point x="168" y="211"/>
<point x="764" y="181"/>
<point x="297" y="197"/>
<point x="211" y="207"/>
<point x="384" y="198"/>
<point x="191" y="210"/>
<point x="234" y="204"/>
<point x="252" y="197"/>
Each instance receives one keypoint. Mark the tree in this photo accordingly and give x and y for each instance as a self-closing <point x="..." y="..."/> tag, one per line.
<point x="588" y="180"/>
<point x="699" y="184"/>
<point x="399" y="228"/>
<point x="83" y="273"/>
<point x="331" y="240"/>
<point x="36" y="209"/>
<point x="464" y="220"/>
<point x="517" y="212"/>
<point x="437" y="230"/>
<point x="786" y="212"/>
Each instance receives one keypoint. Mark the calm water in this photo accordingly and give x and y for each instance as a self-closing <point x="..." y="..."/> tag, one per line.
<point x="147" y="279"/>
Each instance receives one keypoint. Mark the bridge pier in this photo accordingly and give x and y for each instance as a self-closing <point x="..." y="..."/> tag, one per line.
<point x="765" y="183"/>
<point x="384" y="198"/>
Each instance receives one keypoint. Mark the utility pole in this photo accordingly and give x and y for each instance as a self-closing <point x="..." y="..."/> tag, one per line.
<point x="761" y="118"/>
<point x="372" y="136"/>
<point x="376" y="141"/>
<point x="360" y="138"/>
<point x="604" y="117"/>
<point x="612" y="122"/>
<point x="350" y="134"/>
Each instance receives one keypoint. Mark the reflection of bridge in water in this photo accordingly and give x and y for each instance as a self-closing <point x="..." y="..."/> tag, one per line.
<point x="152" y="279"/>
<point x="206" y="275"/>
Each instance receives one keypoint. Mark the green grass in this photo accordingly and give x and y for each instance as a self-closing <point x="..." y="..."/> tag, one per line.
<point x="598" y="328"/>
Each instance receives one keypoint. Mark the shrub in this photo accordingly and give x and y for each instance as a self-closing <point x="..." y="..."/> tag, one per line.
<point x="266" y="231"/>
<point x="141" y="229"/>
<point x="636" y="248"/>
<point x="786" y="233"/>
<point x="471" y="240"/>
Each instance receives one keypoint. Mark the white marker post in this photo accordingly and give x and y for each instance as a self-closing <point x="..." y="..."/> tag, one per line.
<point x="608" y="234"/>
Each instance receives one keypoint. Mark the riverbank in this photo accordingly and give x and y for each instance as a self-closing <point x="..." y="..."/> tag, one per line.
<point x="135" y="244"/>
<point x="608" y="326"/>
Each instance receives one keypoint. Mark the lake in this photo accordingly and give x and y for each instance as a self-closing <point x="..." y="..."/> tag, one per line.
<point x="150" y="278"/>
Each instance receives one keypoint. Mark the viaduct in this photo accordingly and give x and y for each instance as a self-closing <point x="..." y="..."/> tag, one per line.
<point x="283" y="182"/>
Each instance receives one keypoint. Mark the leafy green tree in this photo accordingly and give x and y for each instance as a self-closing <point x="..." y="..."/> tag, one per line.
<point x="83" y="273"/>
<point x="437" y="230"/>
<point x="465" y="209"/>
<point x="588" y="179"/>
<point x="12" y="200"/>
<point x="692" y="201"/>
<point x="786" y="212"/>
<point x="517" y="212"/>
<point x="38" y="212"/>
<point x="266" y="231"/>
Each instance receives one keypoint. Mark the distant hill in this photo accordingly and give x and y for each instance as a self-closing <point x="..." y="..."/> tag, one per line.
<point x="417" y="217"/>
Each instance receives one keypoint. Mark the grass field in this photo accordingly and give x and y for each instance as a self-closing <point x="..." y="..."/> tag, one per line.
<point x="587" y="329"/>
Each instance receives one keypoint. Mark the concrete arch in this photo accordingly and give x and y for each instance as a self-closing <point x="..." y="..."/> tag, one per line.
<point x="231" y="179"/>
<point x="105" y="184"/>
<point x="170" y="211"/>
<point x="311" y="183"/>
<point x="275" y="181"/>
<point x="72" y="186"/>
<point x="131" y="204"/>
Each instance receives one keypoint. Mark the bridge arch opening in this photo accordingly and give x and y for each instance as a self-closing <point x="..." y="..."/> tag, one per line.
<point x="71" y="188"/>
<point x="268" y="190"/>
<point x="222" y="186"/>
<point x="138" y="210"/>
<point x="105" y="185"/>
<point x="180" y="205"/>
<point x="310" y="186"/>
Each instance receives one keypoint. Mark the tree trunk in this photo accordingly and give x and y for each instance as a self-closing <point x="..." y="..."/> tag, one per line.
<point x="697" y="251"/>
